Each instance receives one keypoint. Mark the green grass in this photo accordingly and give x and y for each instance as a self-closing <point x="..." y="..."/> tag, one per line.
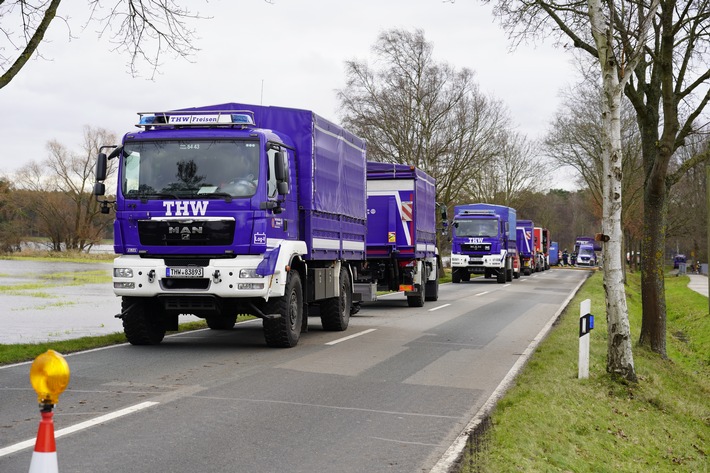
<point x="550" y="421"/>
<point x="29" y="351"/>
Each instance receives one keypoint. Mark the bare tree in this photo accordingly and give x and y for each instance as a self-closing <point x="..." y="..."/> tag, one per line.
<point x="515" y="170"/>
<point x="61" y="193"/>
<point x="142" y="29"/>
<point x="416" y="111"/>
<point x="575" y="140"/>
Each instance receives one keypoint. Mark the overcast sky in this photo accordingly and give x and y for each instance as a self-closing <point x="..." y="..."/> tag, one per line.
<point x="288" y="53"/>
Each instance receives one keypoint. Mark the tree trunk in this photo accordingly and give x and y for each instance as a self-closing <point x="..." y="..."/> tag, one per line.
<point x="620" y="359"/>
<point x="653" y="326"/>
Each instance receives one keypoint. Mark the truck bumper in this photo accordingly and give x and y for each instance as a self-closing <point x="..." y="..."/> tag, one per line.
<point x="134" y="276"/>
<point x="478" y="264"/>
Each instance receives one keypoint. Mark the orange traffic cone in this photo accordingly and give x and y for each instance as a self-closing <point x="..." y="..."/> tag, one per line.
<point x="44" y="458"/>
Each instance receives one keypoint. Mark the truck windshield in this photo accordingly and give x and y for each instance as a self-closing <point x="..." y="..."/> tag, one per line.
<point x="178" y="169"/>
<point x="476" y="228"/>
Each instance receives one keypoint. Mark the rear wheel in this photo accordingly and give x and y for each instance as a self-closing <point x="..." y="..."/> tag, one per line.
<point x="432" y="289"/>
<point x="285" y="331"/>
<point x="335" y="312"/>
<point x="142" y="321"/>
<point x="418" y="299"/>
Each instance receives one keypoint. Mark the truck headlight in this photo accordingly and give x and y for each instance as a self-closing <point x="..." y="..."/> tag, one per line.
<point x="249" y="274"/>
<point x="122" y="273"/>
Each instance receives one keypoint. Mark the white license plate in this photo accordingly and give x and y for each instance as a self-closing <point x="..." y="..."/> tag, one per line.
<point x="183" y="272"/>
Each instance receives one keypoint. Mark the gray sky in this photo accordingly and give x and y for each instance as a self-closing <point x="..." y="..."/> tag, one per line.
<point x="288" y="53"/>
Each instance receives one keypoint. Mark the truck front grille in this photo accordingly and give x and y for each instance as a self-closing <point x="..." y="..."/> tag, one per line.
<point x="476" y="247"/>
<point x="186" y="233"/>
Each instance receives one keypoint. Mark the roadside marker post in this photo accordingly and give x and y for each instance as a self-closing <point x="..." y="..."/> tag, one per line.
<point x="49" y="376"/>
<point x="586" y="324"/>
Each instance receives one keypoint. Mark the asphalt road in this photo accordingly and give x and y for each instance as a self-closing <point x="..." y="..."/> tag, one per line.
<point x="391" y="394"/>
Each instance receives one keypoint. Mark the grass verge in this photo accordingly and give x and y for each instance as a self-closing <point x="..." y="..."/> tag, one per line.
<point x="552" y="421"/>
<point x="28" y="351"/>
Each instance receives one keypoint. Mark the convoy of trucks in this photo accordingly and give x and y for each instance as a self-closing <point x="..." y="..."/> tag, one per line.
<point x="275" y="212"/>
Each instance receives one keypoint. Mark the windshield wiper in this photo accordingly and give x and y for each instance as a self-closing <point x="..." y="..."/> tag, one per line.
<point x="144" y="197"/>
<point x="215" y="195"/>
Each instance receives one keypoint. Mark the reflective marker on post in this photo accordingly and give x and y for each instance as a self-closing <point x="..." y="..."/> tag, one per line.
<point x="586" y="323"/>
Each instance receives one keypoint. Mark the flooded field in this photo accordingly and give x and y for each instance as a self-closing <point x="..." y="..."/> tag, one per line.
<point x="45" y="301"/>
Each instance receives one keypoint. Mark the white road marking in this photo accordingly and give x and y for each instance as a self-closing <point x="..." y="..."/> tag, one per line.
<point x="80" y="426"/>
<point x="481" y="293"/>
<point x="334" y="342"/>
<point x="440" y="307"/>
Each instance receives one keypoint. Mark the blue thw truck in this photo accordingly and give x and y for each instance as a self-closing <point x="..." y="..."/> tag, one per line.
<point x="484" y="242"/>
<point x="236" y="209"/>
<point x="401" y="251"/>
<point x="526" y="246"/>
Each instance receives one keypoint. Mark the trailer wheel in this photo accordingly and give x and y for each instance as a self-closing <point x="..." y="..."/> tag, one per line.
<point x="142" y="323"/>
<point x="335" y="312"/>
<point x="285" y="331"/>
<point x="432" y="290"/>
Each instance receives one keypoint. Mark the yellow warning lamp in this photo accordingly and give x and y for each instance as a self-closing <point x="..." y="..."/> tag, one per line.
<point x="49" y="376"/>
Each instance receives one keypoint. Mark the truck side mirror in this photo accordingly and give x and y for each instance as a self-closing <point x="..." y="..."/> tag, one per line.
<point x="101" y="169"/>
<point x="99" y="189"/>
<point x="281" y="173"/>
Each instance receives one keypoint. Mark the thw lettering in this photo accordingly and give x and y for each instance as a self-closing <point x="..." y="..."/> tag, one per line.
<point x="182" y="208"/>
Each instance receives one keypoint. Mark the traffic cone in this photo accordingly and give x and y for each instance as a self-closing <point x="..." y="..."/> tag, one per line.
<point x="44" y="457"/>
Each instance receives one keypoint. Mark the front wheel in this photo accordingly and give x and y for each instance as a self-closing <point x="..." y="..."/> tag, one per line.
<point x="284" y="332"/>
<point x="142" y="321"/>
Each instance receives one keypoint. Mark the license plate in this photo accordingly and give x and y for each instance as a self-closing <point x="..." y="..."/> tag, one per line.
<point x="183" y="272"/>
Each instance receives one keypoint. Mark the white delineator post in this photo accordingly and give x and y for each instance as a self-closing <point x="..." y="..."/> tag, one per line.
<point x="586" y="323"/>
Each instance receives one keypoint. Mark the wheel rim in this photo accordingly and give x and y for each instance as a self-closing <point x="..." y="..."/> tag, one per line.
<point x="293" y="309"/>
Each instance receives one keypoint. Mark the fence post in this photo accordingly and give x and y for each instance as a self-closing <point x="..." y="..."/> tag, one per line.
<point x="586" y="323"/>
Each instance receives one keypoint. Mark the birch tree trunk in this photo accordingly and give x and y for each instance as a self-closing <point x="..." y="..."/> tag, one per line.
<point x="619" y="356"/>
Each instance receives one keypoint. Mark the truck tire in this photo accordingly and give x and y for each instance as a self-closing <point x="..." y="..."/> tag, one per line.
<point x="142" y="323"/>
<point x="221" y="322"/>
<point x="285" y="331"/>
<point x="455" y="276"/>
<point x="335" y="312"/>
<point x="466" y="276"/>
<point x="418" y="300"/>
<point x="501" y="276"/>
<point x="432" y="290"/>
